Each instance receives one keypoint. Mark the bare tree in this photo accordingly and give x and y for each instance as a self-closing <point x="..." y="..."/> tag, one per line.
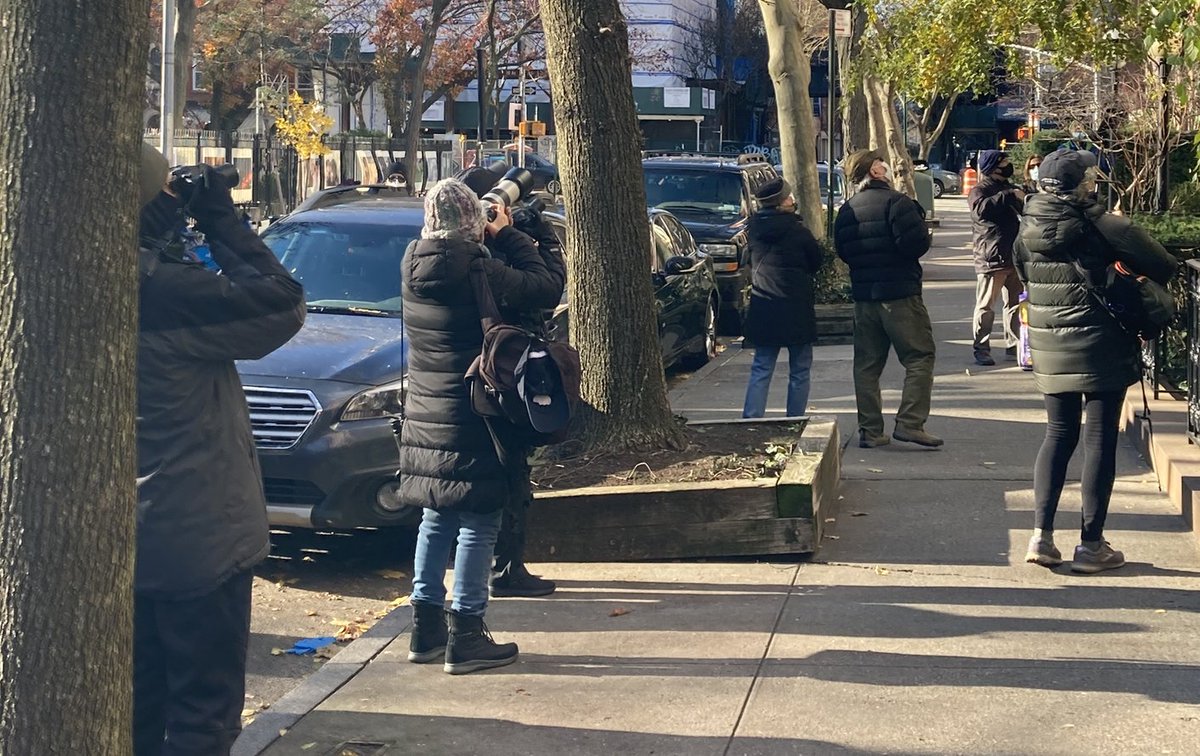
<point x="69" y="151"/>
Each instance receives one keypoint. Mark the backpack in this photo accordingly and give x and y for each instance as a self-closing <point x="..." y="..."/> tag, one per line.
<point x="1141" y="306"/>
<point x="519" y="378"/>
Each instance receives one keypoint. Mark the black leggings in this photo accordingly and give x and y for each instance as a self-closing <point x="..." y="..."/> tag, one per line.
<point x="1063" y="412"/>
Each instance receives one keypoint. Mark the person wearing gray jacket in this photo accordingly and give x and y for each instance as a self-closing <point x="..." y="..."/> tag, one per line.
<point x="201" y="512"/>
<point x="1083" y="358"/>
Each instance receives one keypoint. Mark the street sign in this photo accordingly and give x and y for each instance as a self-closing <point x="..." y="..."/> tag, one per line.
<point x="529" y="91"/>
<point x="841" y="23"/>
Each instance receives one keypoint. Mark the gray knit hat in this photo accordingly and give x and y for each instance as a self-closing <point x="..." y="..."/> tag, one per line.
<point x="152" y="176"/>
<point x="452" y="211"/>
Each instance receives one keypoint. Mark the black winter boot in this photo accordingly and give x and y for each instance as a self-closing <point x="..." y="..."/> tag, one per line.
<point x="471" y="647"/>
<point x="428" y="641"/>
<point x="516" y="580"/>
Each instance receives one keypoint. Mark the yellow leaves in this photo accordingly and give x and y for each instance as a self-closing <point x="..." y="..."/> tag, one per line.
<point x="349" y="630"/>
<point x="301" y="124"/>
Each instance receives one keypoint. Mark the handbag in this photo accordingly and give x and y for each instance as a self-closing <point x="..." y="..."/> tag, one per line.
<point x="519" y="378"/>
<point x="1140" y="305"/>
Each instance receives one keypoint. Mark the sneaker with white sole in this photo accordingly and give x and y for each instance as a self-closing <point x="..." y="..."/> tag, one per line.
<point x="1043" y="551"/>
<point x="1096" y="556"/>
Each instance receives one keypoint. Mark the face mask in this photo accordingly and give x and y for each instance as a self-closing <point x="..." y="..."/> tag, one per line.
<point x="887" y="172"/>
<point x="1006" y="171"/>
<point x="1033" y="173"/>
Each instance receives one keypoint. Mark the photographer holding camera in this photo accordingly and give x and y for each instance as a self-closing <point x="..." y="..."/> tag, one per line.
<point x="510" y="576"/>
<point x="201" y="516"/>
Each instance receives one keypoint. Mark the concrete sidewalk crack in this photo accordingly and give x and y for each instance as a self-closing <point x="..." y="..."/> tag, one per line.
<point x="919" y="573"/>
<point x="762" y="660"/>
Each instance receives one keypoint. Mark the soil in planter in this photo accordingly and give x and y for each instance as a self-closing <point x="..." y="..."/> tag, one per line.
<point x="741" y="451"/>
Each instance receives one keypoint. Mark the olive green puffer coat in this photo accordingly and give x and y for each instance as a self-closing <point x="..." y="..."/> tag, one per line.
<point x="1077" y="345"/>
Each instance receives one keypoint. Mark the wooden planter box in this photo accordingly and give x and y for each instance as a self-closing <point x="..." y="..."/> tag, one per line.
<point x="783" y="515"/>
<point x="835" y="324"/>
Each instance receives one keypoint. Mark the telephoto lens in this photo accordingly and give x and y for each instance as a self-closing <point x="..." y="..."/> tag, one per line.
<point x="510" y="190"/>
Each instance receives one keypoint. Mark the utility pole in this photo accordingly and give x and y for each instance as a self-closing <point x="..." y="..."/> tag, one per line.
<point x="166" y="91"/>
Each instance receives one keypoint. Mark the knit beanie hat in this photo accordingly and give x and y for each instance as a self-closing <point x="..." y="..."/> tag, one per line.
<point x="774" y="192"/>
<point x="452" y="211"/>
<point x="989" y="161"/>
<point x="858" y="165"/>
<point x="153" y="174"/>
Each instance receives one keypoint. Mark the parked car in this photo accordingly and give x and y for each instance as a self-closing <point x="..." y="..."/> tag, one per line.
<point x="685" y="292"/>
<point x="713" y="196"/>
<point x="944" y="182"/>
<point x="839" y="184"/>
<point x="321" y="406"/>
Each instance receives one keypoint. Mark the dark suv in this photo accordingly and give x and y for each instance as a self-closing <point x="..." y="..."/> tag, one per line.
<point x="713" y="195"/>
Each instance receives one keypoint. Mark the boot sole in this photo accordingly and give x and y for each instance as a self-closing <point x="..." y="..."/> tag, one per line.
<point x="926" y="444"/>
<point x="425" y="657"/>
<point x="1092" y="569"/>
<point x="475" y="665"/>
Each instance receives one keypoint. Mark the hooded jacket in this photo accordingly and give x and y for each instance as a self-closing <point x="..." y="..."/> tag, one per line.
<point x="448" y="459"/>
<point x="880" y="233"/>
<point x="201" y="514"/>
<point x="1077" y="345"/>
<point x="995" y="220"/>
<point x="784" y="257"/>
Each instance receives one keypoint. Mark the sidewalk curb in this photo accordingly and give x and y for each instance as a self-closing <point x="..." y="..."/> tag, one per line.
<point x="271" y="724"/>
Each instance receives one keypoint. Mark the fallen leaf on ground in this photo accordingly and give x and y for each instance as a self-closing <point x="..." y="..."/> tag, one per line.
<point x="619" y="611"/>
<point x="874" y="470"/>
<point x="830" y="519"/>
<point x="311" y="613"/>
<point x="248" y="712"/>
<point x="834" y="538"/>
<point x="308" y="746"/>
<point x="989" y="464"/>
<point x="1160" y="611"/>
<point x="348" y="631"/>
<point x="391" y="574"/>
<point x="277" y="652"/>
<point x="882" y="571"/>
<point x="399" y="601"/>
<point x="282" y="733"/>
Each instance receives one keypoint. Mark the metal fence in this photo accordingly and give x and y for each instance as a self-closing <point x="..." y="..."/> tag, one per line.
<point x="1193" y="350"/>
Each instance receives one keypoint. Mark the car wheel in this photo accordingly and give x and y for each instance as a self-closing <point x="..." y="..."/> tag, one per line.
<point x="554" y="186"/>
<point x="708" y="349"/>
<point x="938" y="188"/>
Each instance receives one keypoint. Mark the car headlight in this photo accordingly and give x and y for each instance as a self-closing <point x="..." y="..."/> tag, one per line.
<point x="719" y="250"/>
<point x="381" y="401"/>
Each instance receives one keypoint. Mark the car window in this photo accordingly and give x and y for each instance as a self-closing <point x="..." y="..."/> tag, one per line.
<point x="344" y="265"/>
<point x="660" y="248"/>
<point x="681" y="239"/>
<point x="694" y="192"/>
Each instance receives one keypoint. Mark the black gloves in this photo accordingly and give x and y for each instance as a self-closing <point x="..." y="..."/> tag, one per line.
<point x="160" y="215"/>
<point x="211" y="203"/>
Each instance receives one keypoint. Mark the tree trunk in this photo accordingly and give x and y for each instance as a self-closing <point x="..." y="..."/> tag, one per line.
<point x="68" y="319"/>
<point x="901" y="162"/>
<point x="856" y="120"/>
<point x="791" y="72"/>
<point x="613" y="320"/>
<point x="185" y="37"/>
<point x="878" y="134"/>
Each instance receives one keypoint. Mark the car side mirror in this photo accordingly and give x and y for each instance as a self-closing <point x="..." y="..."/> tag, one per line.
<point x="678" y="265"/>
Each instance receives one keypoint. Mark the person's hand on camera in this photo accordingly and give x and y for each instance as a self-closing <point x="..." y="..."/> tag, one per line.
<point x="503" y="218"/>
<point x="211" y="201"/>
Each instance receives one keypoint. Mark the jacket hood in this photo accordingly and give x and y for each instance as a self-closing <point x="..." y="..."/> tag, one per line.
<point x="352" y="348"/>
<point x="439" y="266"/>
<point x="772" y="225"/>
<point x="1051" y="222"/>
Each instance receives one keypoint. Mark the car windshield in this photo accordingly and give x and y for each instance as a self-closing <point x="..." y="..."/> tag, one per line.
<point x="692" y="192"/>
<point x="345" y="268"/>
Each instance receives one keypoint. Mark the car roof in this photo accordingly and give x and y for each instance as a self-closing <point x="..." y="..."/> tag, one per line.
<point x="728" y="163"/>
<point x="378" y="211"/>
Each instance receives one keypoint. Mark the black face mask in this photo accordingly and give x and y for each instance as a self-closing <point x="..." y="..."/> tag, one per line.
<point x="1005" y="171"/>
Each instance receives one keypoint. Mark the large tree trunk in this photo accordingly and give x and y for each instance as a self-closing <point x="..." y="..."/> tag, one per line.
<point x="791" y="72"/>
<point x="856" y="120"/>
<point x="69" y="152"/>
<point x="613" y="320"/>
<point x="887" y="135"/>
<point x="875" y="117"/>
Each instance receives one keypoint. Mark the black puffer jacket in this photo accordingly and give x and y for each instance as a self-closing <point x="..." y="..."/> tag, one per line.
<point x="1078" y="345"/>
<point x="995" y="220"/>
<point x="784" y="256"/>
<point x="202" y="516"/>
<point x="447" y="457"/>
<point x="881" y="235"/>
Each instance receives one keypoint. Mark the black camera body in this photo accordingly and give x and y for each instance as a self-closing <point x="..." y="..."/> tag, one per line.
<point x="186" y="180"/>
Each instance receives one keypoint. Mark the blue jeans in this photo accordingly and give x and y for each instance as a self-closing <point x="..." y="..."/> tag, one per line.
<point x="476" y="535"/>
<point x="799" y="369"/>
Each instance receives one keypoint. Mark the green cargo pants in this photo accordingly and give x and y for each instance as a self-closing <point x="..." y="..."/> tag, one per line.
<point x="902" y="324"/>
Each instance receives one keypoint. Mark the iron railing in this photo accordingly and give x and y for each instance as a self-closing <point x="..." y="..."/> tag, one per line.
<point x="1193" y="350"/>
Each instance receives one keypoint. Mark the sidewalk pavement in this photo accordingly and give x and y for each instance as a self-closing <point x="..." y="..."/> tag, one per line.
<point x="917" y="628"/>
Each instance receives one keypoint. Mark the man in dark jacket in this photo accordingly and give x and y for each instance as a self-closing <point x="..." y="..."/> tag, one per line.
<point x="512" y="577"/>
<point x="784" y="257"/>
<point x="880" y="233"/>
<point x="449" y="462"/>
<point x="995" y="218"/>
<point x="201" y="518"/>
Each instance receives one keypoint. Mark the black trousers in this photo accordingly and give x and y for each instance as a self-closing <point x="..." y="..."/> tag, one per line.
<point x="510" y="545"/>
<point x="189" y="671"/>
<point x="1063" y="414"/>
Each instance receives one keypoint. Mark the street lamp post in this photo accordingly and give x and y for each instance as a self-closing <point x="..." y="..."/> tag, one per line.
<point x="831" y="101"/>
<point x="166" y="92"/>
